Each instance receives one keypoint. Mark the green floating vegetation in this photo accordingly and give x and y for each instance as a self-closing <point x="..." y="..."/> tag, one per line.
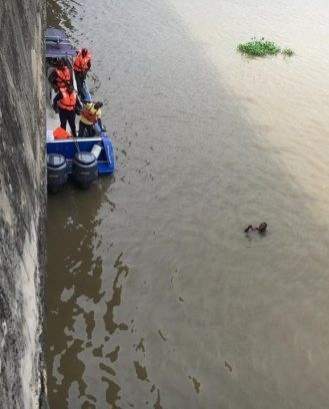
<point x="288" y="52"/>
<point x="262" y="47"/>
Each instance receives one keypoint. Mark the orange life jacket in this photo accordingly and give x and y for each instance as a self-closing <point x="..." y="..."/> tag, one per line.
<point x="60" y="133"/>
<point x="81" y="64"/>
<point x="68" y="101"/>
<point x="63" y="77"/>
<point x="90" y="116"/>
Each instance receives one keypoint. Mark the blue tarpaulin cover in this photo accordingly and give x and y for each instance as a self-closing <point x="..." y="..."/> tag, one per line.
<point x="58" y="44"/>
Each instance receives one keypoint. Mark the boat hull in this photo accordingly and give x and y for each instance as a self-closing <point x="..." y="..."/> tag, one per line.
<point x="58" y="46"/>
<point x="69" y="147"/>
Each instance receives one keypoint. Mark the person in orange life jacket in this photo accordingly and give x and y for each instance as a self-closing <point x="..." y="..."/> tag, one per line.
<point x="61" y="77"/>
<point x="67" y="102"/>
<point x="90" y="116"/>
<point x="81" y="66"/>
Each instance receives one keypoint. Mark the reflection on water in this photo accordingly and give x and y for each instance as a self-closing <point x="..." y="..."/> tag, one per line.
<point x="155" y="296"/>
<point x="115" y="300"/>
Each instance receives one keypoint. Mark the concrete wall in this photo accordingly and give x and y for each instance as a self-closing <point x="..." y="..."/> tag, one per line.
<point x="22" y="201"/>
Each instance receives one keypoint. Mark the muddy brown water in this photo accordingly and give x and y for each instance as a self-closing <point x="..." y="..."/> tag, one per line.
<point x="156" y="299"/>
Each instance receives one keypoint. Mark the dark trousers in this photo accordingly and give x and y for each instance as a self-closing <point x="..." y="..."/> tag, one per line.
<point x="68" y="116"/>
<point x="86" y="131"/>
<point x="80" y="78"/>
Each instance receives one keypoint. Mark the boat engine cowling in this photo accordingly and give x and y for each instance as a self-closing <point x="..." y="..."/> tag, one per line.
<point x="84" y="170"/>
<point x="57" y="172"/>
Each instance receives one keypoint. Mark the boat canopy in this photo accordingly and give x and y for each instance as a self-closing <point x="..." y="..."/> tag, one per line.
<point x="58" y="44"/>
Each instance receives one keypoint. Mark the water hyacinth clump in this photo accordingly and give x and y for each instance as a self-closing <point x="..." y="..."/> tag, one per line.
<point x="262" y="47"/>
<point x="259" y="48"/>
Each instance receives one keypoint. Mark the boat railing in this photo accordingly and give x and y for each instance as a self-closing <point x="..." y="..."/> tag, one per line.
<point x="56" y="40"/>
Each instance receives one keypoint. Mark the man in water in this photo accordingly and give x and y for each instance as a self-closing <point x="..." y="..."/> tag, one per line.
<point x="261" y="228"/>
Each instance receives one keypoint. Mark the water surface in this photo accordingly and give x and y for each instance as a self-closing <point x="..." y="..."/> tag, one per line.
<point x="155" y="296"/>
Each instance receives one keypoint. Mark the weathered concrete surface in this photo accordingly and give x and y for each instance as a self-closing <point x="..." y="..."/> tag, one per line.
<point x="22" y="202"/>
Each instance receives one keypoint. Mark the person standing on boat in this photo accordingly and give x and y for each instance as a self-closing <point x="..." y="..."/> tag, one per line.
<point x="66" y="102"/>
<point x="81" y="66"/>
<point x="61" y="77"/>
<point x="90" y="119"/>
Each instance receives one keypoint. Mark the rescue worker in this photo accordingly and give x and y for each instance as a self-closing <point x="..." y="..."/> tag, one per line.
<point x="61" y="77"/>
<point x="66" y="102"/>
<point x="90" y="118"/>
<point x="82" y="64"/>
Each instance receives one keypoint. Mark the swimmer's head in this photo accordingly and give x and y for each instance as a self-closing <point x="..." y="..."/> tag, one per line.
<point x="262" y="227"/>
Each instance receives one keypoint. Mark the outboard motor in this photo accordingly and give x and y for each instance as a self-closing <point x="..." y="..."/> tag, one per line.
<point x="57" y="172"/>
<point x="84" y="169"/>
